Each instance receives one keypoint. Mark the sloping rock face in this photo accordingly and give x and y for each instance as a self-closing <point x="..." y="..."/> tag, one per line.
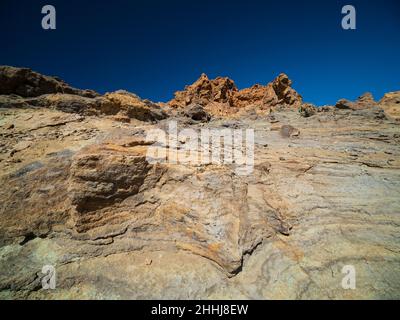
<point x="83" y="196"/>
<point x="128" y="104"/>
<point x="220" y="96"/>
<point x="24" y="88"/>
<point x="27" y="83"/>
<point x="111" y="186"/>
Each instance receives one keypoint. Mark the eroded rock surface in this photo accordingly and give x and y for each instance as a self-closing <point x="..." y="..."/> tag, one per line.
<point x="24" y="88"/>
<point x="27" y="83"/>
<point x="363" y="102"/>
<point x="391" y="104"/>
<point x="220" y="96"/>
<point x="82" y="195"/>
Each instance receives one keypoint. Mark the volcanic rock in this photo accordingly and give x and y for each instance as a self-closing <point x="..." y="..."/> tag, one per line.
<point x="27" y="83"/>
<point x="196" y="112"/>
<point x="363" y="102"/>
<point x="82" y="194"/>
<point x="288" y="131"/>
<point x="221" y="96"/>
<point x="308" y="110"/>
<point x="203" y="91"/>
<point x="24" y="88"/>
<point x="390" y="103"/>
<point x="128" y="104"/>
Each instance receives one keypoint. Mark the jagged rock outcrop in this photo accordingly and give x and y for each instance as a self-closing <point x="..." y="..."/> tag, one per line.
<point x="204" y="91"/>
<point x="83" y="195"/>
<point x="283" y="89"/>
<point x="220" y="96"/>
<point x="390" y="103"/>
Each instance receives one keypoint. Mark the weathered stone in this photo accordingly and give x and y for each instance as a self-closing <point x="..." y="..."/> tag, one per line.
<point x="27" y="83"/>
<point x="391" y="104"/>
<point x="307" y="110"/>
<point x="82" y="195"/>
<point x="221" y="96"/>
<point x="196" y="112"/>
<point x="365" y="101"/>
<point x="288" y="131"/>
<point x="128" y="104"/>
<point x="120" y="105"/>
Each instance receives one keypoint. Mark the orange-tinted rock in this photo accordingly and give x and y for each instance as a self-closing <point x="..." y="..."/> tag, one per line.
<point x="221" y="96"/>
<point x="283" y="90"/>
<point x="365" y="101"/>
<point x="204" y="91"/>
<point x="390" y="103"/>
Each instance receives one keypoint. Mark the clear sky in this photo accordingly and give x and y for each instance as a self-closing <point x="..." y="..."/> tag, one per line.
<point x="154" y="48"/>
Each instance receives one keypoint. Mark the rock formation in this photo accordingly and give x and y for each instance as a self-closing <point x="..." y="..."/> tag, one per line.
<point x="390" y="103"/>
<point x="220" y="96"/>
<point x="81" y="194"/>
<point x="364" y="101"/>
<point x="24" y="88"/>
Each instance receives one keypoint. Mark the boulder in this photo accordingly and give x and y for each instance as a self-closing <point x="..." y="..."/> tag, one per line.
<point x="307" y="110"/>
<point x="365" y="101"/>
<point x="196" y="112"/>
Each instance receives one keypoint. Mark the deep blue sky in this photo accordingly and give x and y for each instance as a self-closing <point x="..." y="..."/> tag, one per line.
<point x="154" y="48"/>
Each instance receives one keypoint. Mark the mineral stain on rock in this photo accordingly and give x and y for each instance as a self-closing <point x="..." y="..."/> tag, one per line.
<point x="26" y="169"/>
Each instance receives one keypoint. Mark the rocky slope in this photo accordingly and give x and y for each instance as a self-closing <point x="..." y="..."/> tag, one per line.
<point x="82" y="195"/>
